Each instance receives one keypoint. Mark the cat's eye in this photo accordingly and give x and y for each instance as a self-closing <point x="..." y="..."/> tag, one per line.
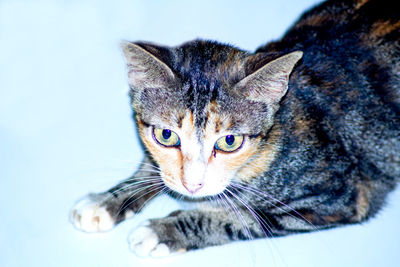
<point x="166" y="137"/>
<point x="229" y="143"/>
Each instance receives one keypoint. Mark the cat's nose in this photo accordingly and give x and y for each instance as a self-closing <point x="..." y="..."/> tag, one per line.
<point x="192" y="188"/>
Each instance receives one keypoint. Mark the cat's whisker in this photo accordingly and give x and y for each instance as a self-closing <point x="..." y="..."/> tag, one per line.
<point x="149" y="170"/>
<point x="142" y="188"/>
<point x="145" y="180"/>
<point x="163" y="189"/>
<point x="264" y="225"/>
<point x="239" y="216"/>
<point x="229" y="209"/>
<point x="143" y="177"/>
<point x="256" y="191"/>
<point x="260" y="220"/>
<point x="133" y="198"/>
<point x="152" y="166"/>
<point x="269" y="199"/>
<point x="225" y="205"/>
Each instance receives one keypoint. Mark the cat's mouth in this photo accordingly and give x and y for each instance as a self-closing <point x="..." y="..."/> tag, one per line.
<point x="195" y="189"/>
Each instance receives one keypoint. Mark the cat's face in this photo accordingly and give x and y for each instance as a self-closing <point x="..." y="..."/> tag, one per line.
<point x="206" y="120"/>
<point x="202" y="160"/>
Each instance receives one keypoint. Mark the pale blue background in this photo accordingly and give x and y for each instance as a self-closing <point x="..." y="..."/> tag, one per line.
<point x="66" y="130"/>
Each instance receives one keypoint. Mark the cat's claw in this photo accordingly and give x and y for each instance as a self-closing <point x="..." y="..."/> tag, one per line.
<point x="144" y="242"/>
<point x="89" y="216"/>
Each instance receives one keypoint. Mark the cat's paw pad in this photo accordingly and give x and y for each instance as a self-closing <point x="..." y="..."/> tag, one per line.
<point x="89" y="216"/>
<point x="144" y="242"/>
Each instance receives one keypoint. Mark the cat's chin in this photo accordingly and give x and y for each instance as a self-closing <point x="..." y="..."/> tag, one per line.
<point x="197" y="195"/>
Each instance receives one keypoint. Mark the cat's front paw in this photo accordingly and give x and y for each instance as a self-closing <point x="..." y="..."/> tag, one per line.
<point x="90" y="215"/>
<point x="144" y="241"/>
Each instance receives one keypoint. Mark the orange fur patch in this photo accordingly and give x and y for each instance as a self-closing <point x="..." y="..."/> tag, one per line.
<point x="302" y="126"/>
<point x="215" y="122"/>
<point x="331" y="219"/>
<point x="250" y="161"/>
<point x="362" y="202"/>
<point x="382" y="28"/>
<point x="360" y="3"/>
<point x="237" y="159"/>
<point x="168" y="161"/>
<point x="260" y="160"/>
<point x="314" y="20"/>
<point x="378" y="30"/>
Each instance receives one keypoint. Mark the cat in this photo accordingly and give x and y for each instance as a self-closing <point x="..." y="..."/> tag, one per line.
<point x="301" y="135"/>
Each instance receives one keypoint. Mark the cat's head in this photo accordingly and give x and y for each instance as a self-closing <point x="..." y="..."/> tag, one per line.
<point x="204" y="111"/>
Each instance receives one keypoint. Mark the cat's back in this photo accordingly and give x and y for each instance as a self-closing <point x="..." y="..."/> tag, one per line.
<point x="356" y="38"/>
<point x="349" y="80"/>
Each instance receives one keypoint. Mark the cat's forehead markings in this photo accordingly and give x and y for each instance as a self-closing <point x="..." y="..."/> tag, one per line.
<point x="180" y="120"/>
<point x="209" y="118"/>
<point x="191" y="120"/>
<point x="188" y="126"/>
<point x="217" y="125"/>
<point x="215" y="122"/>
<point x="212" y="106"/>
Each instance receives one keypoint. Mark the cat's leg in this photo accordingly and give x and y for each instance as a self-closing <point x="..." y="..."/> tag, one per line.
<point x="182" y="231"/>
<point x="102" y="211"/>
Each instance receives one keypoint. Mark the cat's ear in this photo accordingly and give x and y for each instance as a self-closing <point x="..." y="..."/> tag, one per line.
<point x="145" y="68"/>
<point x="269" y="83"/>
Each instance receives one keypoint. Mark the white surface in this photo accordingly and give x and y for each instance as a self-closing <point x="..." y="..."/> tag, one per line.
<point x="66" y="130"/>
